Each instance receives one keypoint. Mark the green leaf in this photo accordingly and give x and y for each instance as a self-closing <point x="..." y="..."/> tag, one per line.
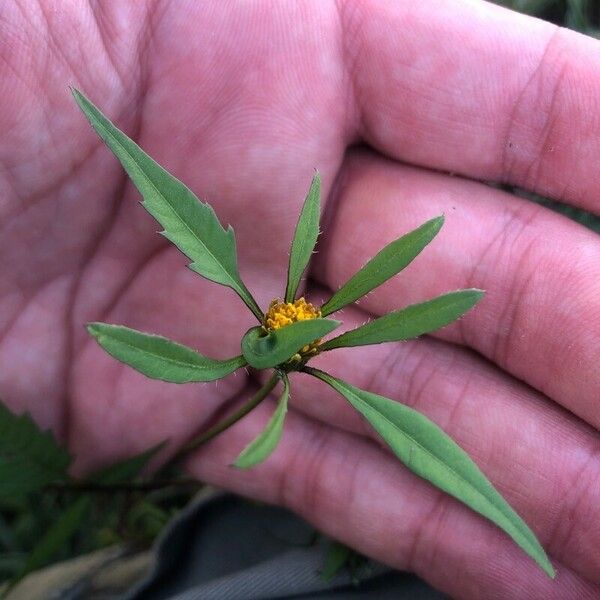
<point x="10" y="563"/>
<point x="160" y="358"/>
<point x="409" y="322"/>
<point x="126" y="470"/>
<point x="305" y="238"/>
<point x="263" y="351"/>
<point x="190" y="224"/>
<point x="336" y="559"/>
<point x="387" y="263"/>
<point x="427" y="451"/>
<point x="59" y="534"/>
<point x="29" y="458"/>
<point x="262" y="446"/>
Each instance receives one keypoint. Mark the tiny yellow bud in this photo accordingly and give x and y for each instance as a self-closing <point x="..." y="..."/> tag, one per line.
<point x="281" y="314"/>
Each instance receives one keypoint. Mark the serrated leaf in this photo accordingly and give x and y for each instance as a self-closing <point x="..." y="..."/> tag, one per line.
<point x="263" y="351"/>
<point x="263" y="445"/>
<point x="384" y="265"/>
<point x="125" y="470"/>
<point x="59" y="534"/>
<point x="190" y="224"/>
<point x="305" y="238"/>
<point x="160" y="358"/>
<point x="427" y="451"/>
<point x="29" y="457"/>
<point x="409" y="322"/>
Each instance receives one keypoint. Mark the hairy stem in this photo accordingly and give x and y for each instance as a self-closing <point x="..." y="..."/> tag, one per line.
<point x="233" y="418"/>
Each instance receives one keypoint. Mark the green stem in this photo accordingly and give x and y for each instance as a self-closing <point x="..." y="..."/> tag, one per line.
<point x="233" y="418"/>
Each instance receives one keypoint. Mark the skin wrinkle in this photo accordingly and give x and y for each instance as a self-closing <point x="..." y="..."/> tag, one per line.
<point x="17" y="392"/>
<point x="461" y="398"/>
<point x="348" y="57"/>
<point x="25" y="204"/>
<point x="506" y="145"/>
<point x="415" y="394"/>
<point x="311" y="454"/>
<point x="570" y="509"/>
<point x="413" y="557"/>
<point x="549" y="92"/>
<point x="434" y="520"/>
<point x="533" y="174"/>
<point x="101" y="25"/>
<point x="501" y="245"/>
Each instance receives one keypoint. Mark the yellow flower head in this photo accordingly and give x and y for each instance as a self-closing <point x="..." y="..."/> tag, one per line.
<point x="281" y="314"/>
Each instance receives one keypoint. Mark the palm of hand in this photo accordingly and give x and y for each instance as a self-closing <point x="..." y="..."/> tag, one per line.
<point x="242" y="116"/>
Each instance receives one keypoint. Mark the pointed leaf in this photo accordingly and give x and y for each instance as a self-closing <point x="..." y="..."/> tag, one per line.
<point x="29" y="458"/>
<point x="387" y="263"/>
<point x="263" y="445"/>
<point x="411" y="321"/>
<point x="125" y="470"/>
<point x="190" y="224"/>
<point x="59" y="534"/>
<point x="263" y="351"/>
<point x="305" y="238"/>
<point x="427" y="451"/>
<point x="160" y="358"/>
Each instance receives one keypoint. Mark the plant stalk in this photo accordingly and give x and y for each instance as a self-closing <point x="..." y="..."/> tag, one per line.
<point x="233" y="418"/>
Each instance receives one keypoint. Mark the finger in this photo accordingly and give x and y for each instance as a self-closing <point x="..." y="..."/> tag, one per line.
<point x="529" y="447"/>
<point x="359" y="494"/>
<point x="540" y="317"/>
<point x="476" y="89"/>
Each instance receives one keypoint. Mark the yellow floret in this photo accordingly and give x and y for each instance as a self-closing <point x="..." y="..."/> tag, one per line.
<point x="281" y="314"/>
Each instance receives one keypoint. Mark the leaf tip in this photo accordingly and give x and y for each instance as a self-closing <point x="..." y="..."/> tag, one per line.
<point x="240" y="463"/>
<point x="334" y="324"/>
<point x="94" y="329"/>
<point x="478" y="294"/>
<point x="79" y="98"/>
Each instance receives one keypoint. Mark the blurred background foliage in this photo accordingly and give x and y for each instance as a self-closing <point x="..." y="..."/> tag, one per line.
<point x="580" y="15"/>
<point x="51" y="521"/>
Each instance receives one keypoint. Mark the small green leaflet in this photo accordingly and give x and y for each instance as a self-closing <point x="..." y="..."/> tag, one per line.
<point x="160" y="358"/>
<point x="336" y="559"/>
<point x="305" y="238"/>
<point x="125" y="470"/>
<point x="264" y="351"/>
<point x="29" y="458"/>
<point x="59" y="534"/>
<point x="190" y="224"/>
<point x="263" y="445"/>
<point x="387" y="263"/>
<point x="427" y="451"/>
<point x="409" y="322"/>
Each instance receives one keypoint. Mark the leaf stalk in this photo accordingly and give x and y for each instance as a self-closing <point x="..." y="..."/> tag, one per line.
<point x="233" y="418"/>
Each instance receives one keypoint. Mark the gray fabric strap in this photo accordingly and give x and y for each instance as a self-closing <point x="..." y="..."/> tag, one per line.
<point x="226" y="548"/>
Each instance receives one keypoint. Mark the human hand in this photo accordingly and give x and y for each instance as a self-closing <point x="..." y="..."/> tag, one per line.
<point x="241" y="105"/>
